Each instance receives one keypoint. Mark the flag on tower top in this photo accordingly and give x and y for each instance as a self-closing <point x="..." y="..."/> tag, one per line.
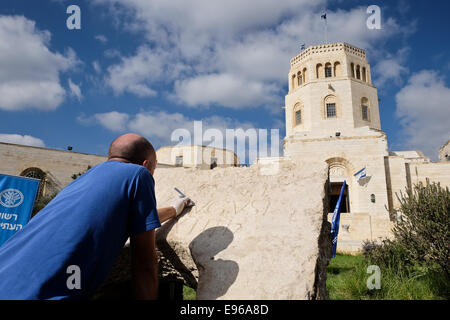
<point x="324" y="16"/>
<point x="303" y="47"/>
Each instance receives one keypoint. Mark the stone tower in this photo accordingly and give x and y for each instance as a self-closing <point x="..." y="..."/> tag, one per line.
<point x="330" y="91"/>
<point x="332" y="115"/>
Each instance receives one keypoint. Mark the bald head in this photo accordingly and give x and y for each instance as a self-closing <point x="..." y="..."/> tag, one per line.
<point x="131" y="147"/>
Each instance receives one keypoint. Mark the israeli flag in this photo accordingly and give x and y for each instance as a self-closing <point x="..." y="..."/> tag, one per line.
<point x="335" y="220"/>
<point x="360" y="174"/>
<point x="324" y="16"/>
<point x="303" y="47"/>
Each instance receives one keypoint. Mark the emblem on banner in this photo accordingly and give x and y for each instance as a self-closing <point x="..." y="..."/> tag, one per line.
<point x="11" y="198"/>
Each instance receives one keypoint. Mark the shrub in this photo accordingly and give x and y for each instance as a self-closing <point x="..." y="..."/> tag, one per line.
<point x="422" y="231"/>
<point x="75" y="176"/>
<point x="388" y="254"/>
<point x="40" y="203"/>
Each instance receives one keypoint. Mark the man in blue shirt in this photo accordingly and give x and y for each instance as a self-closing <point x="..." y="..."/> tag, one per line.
<point x="69" y="247"/>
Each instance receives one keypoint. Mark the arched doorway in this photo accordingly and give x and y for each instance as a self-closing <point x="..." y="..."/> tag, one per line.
<point x="340" y="170"/>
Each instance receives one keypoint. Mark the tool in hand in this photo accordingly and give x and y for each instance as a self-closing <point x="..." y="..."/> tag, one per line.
<point x="191" y="203"/>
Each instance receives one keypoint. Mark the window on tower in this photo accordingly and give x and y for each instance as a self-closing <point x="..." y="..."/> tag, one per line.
<point x="331" y="110"/>
<point x="328" y="71"/>
<point x="298" y="117"/>
<point x="365" y="109"/>
<point x="365" y="113"/>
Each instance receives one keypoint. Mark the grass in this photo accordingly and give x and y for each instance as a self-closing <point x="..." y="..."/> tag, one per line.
<point x="347" y="277"/>
<point x="188" y="293"/>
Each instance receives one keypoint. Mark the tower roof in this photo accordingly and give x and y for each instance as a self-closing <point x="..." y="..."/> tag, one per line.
<point x="325" y="48"/>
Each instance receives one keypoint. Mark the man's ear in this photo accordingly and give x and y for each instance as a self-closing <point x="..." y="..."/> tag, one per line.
<point x="146" y="163"/>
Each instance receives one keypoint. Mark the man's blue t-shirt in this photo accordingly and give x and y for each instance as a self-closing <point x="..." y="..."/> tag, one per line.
<point x="85" y="225"/>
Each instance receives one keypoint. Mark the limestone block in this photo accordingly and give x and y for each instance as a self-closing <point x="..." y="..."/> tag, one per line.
<point x="250" y="235"/>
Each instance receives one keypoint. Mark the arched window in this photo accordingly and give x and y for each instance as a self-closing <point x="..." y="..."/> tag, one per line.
<point x="36" y="173"/>
<point x="358" y="72"/>
<point x="328" y="70"/>
<point x="299" y="78"/>
<point x="331" y="108"/>
<point x="364" y="76"/>
<point x="352" y="66"/>
<point x="365" y="109"/>
<point x="319" y="71"/>
<point x="297" y="115"/>
<point x="305" y="79"/>
<point x="337" y="69"/>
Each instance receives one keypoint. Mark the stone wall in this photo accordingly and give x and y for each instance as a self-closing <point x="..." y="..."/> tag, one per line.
<point x="438" y="172"/>
<point x="58" y="165"/>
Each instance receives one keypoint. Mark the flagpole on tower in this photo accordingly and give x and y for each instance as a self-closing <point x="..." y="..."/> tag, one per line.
<point x="324" y="16"/>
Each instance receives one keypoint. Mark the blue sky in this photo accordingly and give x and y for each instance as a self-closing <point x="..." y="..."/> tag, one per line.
<point x="151" y="66"/>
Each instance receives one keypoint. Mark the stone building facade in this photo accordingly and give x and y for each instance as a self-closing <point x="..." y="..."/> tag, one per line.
<point x="193" y="156"/>
<point x="444" y="152"/>
<point x="332" y="115"/>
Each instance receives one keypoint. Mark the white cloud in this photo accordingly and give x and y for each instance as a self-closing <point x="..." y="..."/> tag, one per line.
<point x="29" y="76"/>
<point x="159" y="127"/>
<point x="391" y="69"/>
<point x="243" y="44"/>
<point x="114" y="121"/>
<point x="135" y="74"/>
<point x="75" y="90"/>
<point x="23" y="140"/>
<point x="96" y="66"/>
<point x="111" y="53"/>
<point x="224" y="89"/>
<point x="101" y="38"/>
<point x="423" y="109"/>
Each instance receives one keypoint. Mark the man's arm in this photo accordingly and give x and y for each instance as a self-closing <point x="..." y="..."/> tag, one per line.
<point x="144" y="266"/>
<point x="166" y="213"/>
<point x="171" y="212"/>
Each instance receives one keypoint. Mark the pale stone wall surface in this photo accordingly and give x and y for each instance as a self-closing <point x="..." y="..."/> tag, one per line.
<point x="438" y="172"/>
<point x="253" y="234"/>
<point x="396" y="179"/>
<point x="59" y="165"/>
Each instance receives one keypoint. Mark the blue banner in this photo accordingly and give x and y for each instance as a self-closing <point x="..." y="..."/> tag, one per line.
<point x="17" y="196"/>
<point x="335" y="220"/>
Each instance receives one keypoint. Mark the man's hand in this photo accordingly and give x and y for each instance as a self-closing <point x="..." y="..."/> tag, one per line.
<point x="181" y="203"/>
